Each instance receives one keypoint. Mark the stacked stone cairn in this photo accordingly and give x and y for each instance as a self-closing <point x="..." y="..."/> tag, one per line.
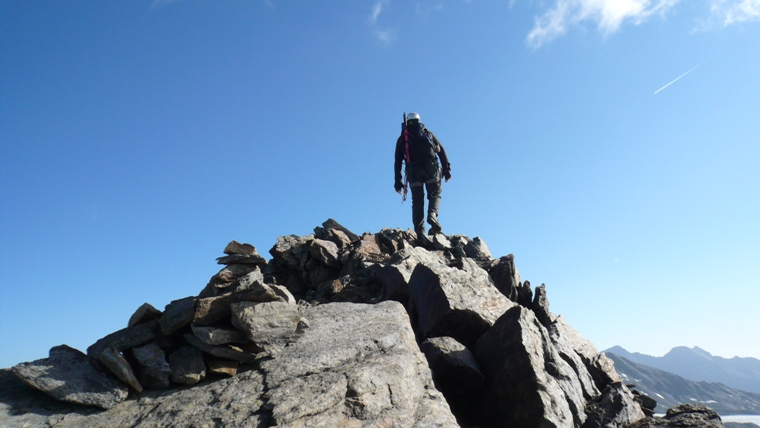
<point x="496" y="353"/>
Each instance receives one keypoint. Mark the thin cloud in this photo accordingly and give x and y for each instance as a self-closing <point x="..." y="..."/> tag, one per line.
<point x="734" y="11"/>
<point x="385" y="35"/>
<point x="377" y="9"/>
<point x="609" y="16"/>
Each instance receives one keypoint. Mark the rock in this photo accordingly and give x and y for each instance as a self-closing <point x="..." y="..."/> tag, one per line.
<point x="250" y="281"/>
<point x="440" y="242"/>
<point x="230" y="402"/>
<point x="454" y="367"/>
<point x="146" y="312"/>
<point x="367" y="249"/>
<point x="506" y="278"/>
<point x="477" y="249"/>
<point x="118" y="365"/>
<point x="222" y="366"/>
<point x="457" y="376"/>
<point x="68" y="375"/>
<point x="290" y="250"/>
<point x="646" y="402"/>
<point x="187" y="365"/>
<point x="396" y="273"/>
<point x="333" y="227"/>
<point x="152" y="367"/>
<point x="235" y="247"/>
<point x="358" y="365"/>
<point x="528" y="383"/>
<point x="211" y="310"/>
<point x="601" y="368"/>
<point x="177" y="314"/>
<point x="540" y="306"/>
<point x="283" y="292"/>
<point x="218" y="336"/>
<point x="125" y="338"/>
<point x="324" y="251"/>
<point x="255" y="260"/>
<point x="462" y="304"/>
<point x="231" y="273"/>
<point x="226" y="352"/>
<point x="565" y="347"/>
<point x="614" y="408"/>
<point x="266" y="323"/>
<point x="683" y="415"/>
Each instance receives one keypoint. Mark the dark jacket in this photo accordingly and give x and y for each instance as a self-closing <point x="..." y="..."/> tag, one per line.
<point x="421" y="149"/>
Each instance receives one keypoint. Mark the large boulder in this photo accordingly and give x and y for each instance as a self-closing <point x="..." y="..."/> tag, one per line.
<point x="153" y="370"/>
<point x="125" y="338"/>
<point x="507" y="279"/>
<point x="394" y="275"/>
<point x="528" y="382"/>
<point x="683" y="415"/>
<point x="461" y="303"/>
<point x="69" y="375"/>
<point x="357" y="365"/>
<point x="616" y="407"/>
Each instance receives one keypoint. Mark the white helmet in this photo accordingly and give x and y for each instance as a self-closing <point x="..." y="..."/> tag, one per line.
<point x="412" y="116"/>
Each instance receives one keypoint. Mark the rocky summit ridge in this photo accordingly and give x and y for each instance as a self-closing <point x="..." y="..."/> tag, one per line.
<point x="382" y="329"/>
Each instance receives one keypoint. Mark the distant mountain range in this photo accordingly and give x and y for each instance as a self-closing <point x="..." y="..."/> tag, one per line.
<point x="699" y="365"/>
<point x="670" y="389"/>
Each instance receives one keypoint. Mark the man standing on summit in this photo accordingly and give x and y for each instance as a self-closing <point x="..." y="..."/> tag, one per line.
<point x="417" y="147"/>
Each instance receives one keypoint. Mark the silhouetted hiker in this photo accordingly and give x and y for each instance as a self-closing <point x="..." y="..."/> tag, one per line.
<point x="417" y="147"/>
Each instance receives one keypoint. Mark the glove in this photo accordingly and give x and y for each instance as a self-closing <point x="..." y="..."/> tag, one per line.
<point x="398" y="186"/>
<point x="447" y="174"/>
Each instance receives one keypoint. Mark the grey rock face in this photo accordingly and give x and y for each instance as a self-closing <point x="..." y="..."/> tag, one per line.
<point x="528" y="382"/>
<point x="358" y="365"/>
<point x="152" y="367"/>
<point x="232" y="402"/>
<point x="601" y="368"/>
<point x="68" y="375"/>
<point x="187" y="365"/>
<point x="540" y="306"/>
<point x="225" y="352"/>
<point x="325" y="251"/>
<point x="461" y="303"/>
<point x="477" y="249"/>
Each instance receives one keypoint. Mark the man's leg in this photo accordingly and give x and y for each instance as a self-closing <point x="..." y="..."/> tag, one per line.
<point x="434" y="198"/>
<point x="418" y="208"/>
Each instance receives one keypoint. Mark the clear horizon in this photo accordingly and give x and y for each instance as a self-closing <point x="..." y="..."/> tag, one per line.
<point x="612" y="147"/>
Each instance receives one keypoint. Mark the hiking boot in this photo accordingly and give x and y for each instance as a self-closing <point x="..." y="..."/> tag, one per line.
<point x="435" y="227"/>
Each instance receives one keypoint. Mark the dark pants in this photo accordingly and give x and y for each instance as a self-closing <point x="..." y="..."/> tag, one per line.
<point x="425" y="176"/>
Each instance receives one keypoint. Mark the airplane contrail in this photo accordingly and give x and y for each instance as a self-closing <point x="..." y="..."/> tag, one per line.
<point x="678" y="78"/>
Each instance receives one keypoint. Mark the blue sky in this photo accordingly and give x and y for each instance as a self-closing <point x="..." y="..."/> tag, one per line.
<point x="137" y="138"/>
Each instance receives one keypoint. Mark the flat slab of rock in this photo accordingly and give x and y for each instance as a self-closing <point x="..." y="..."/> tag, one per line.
<point x="68" y="375"/>
<point x="357" y="365"/>
<point x="234" y="247"/>
<point x="221" y="351"/>
<point x="218" y="336"/>
<point x="230" y="402"/>
<point x="119" y="366"/>
<point x="125" y="338"/>
<point x="177" y="314"/>
<point x="461" y="303"/>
